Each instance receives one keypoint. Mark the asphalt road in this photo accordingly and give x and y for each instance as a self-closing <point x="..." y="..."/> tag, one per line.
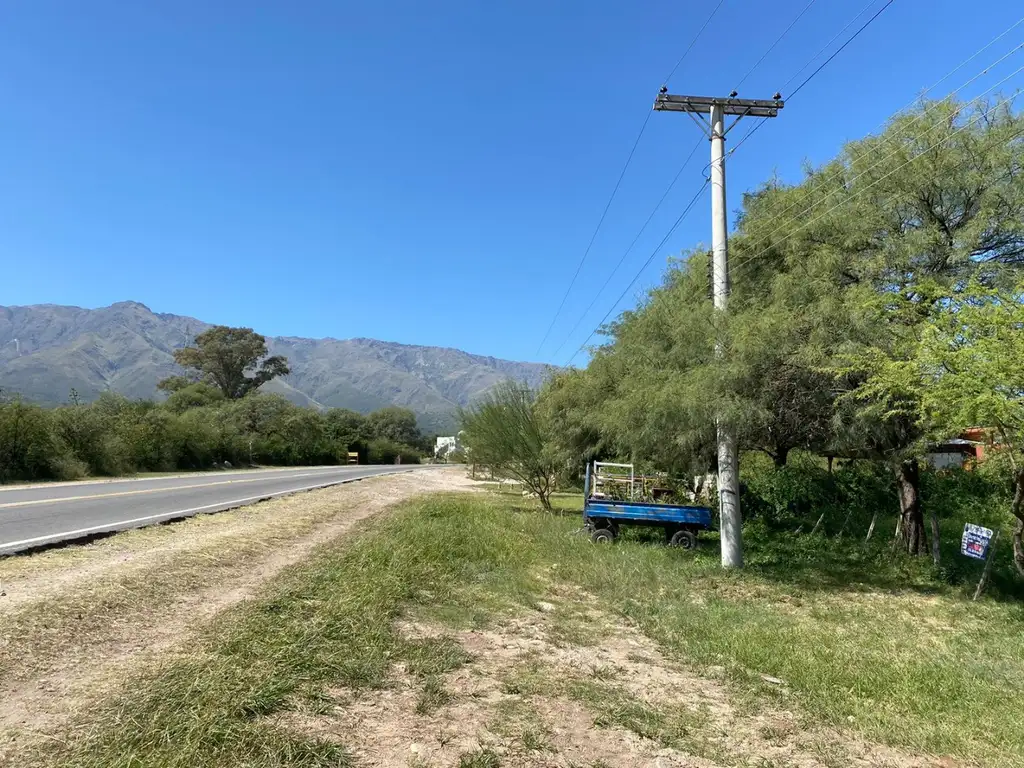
<point x="38" y="515"/>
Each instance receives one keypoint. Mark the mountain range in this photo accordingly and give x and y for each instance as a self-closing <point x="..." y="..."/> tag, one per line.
<point x="47" y="350"/>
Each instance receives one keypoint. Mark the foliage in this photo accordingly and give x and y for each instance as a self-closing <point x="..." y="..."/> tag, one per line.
<point x="393" y="423"/>
<point x="970" y="374"/>
<point x="234" y="360"/>
<point x="842" y="628"/>
<point x="504" y="431"/>
<point x="834" y="280"/>
<point x="196" y="428"/>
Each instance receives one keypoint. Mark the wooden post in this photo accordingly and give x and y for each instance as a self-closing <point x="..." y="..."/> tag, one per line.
<point x="871" y="528"/>
<point x="988" y="566"/>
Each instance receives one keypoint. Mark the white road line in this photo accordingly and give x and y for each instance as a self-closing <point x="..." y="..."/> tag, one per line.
<point x="97" y="496"/>
<point x="55" y="537"/>
<point x="100" y="481"/>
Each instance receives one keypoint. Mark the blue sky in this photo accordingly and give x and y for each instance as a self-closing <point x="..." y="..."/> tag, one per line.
<point x="420" y="172"/>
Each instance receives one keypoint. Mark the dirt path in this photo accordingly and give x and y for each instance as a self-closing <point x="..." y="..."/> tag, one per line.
<point x="527" y="698"/>
<point x="75" y="621"/>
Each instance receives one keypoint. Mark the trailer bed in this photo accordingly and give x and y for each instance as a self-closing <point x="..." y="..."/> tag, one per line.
<point x="649" y="512"/>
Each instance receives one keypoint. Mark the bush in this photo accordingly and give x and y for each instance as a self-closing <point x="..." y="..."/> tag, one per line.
<point x="30" y="447"/>
<point x="383" y="451"/>
<point x="195" y="429"/>
<point x="798" y="493"/>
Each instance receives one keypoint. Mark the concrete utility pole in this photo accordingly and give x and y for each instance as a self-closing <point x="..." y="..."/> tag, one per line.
<point x="714" y="127"/>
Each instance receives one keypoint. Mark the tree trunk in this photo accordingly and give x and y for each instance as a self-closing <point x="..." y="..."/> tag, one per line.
<point x="544" y="495"/>
<point x="1017" y="508"/>
<point x="780" y="456"/>
<point x="910" y="536"/>
<point x="936" y="549"/>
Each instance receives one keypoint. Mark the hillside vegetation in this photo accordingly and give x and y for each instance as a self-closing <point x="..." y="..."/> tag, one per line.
<point x="46" y="351"/>
<point x="215" y="415"/>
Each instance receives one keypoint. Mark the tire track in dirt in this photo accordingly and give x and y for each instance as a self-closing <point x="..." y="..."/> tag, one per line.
<point x="76" y="621"/>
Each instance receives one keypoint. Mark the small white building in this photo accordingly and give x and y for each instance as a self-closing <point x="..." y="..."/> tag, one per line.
<point x="445" y="446"/>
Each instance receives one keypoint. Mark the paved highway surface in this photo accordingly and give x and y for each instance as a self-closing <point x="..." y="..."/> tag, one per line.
<point x="45" y="514"/>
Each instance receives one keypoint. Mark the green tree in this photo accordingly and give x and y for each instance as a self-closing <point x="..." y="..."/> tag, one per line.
<point x="970" y="372"/>
<point x="232" y="359"/>
<point x="346" y="429"/>
<point x="504" y="432"/>
<point x="395" y="424"/>
<point x="869" y="246"/>
<point x="192" y="395"/>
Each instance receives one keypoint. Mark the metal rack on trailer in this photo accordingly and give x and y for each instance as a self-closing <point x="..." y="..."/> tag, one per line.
<point x="603" y="516"/>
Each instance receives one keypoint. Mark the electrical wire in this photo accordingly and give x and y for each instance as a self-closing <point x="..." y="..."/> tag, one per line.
<point x="597" y="229"/>
<point x="646" y="264"/>
<point x="903" y="131"/>
<point x="618" y="183"/>
<point x="757" y="126"/>
<point x="839" y="50"/>
<point x="900" y="167"/>
<point x="667" y="78"/>
<point x="693" y="42"/>
<point x="827" y="45"/>
<point x="629" y="249"/>
<point x="772" y="46"/>
<point x="911" y="103"/>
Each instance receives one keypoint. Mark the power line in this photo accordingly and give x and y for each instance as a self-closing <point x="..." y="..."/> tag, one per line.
<point x="669" y="77"/>
<point x="618" y="183"/>
<point x="757" y="126"/>
<point x="629" y="249"/>
<point x="840" y="49"/>
<point x="772" y="46"/>
<point x="827" y="45"/>
<point x="881" y="178"/>
<point x="895" y="152"/>
<point x="909" y="104"/>
<point x="597" y="229"/>
<point x="682" y="216"/>
<point x="694" y="41"/>
<point x="875" y="182"/>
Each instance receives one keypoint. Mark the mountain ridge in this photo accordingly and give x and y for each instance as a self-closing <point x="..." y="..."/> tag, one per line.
<point x="48" y="349"/>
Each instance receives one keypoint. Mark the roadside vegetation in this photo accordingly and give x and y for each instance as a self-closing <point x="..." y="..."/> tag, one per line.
<point x="214" y="413"/>
<point x="873" y="316"/>
<point x="488" y="619"/>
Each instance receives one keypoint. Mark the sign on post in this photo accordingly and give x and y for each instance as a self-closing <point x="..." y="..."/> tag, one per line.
<point x="975" y="541"/>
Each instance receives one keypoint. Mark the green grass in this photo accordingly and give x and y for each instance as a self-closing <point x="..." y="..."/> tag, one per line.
<point x="481" y="758"/>
<point x="862" y="642"/>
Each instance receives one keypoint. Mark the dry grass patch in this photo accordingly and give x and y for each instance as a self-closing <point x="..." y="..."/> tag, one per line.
<point x="464" y="633"/>
<point x="76" y="620"/>
<point x="525" y="698"/>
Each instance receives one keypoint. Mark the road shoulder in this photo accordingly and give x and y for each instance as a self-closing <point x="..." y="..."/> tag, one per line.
<point x="77" y="620"/>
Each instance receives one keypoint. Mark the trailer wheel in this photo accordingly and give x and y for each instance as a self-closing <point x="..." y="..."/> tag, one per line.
<point x="602" y="536"/>
<point x="683" y="540"/>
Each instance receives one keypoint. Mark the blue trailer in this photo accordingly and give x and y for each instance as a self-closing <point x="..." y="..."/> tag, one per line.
<point x="603" y="516"/>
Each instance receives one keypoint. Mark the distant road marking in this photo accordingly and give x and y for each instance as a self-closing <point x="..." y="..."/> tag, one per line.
<point x="148" y="478"/>
<point x="86" y="497"/>
<point x="64" y="535"/>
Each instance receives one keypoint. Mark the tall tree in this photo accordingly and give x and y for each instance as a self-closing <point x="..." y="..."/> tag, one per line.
<point x="871" y="245"/>
<point x="234" y="360"/>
